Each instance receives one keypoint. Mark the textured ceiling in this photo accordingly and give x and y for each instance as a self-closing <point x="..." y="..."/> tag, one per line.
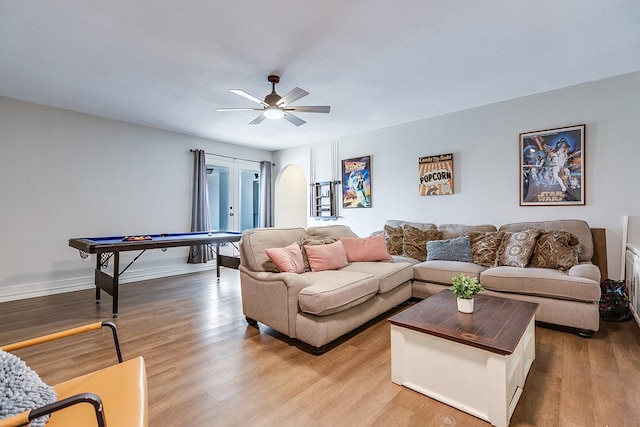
<point x="170" y="64"/>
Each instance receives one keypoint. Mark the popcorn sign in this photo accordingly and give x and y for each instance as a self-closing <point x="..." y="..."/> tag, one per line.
<point x="435" y="175"/>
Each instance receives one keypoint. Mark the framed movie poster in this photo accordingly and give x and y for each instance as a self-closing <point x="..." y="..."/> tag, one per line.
<point x="356" y="182"/>
<point x="436" y="175"/>
<point x="552" y="167"/>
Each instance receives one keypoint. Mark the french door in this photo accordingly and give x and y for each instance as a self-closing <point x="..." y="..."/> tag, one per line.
<point x="234" y="194"/>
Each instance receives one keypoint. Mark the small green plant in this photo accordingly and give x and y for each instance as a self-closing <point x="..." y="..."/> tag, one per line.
<point x="465" y="287"/>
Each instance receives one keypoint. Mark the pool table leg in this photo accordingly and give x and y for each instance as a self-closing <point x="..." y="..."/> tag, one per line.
<point x="114" y="290"/>
<point x="108" y="282"/>
<point x="98" y="266"/>
<point x="218" y="260"/>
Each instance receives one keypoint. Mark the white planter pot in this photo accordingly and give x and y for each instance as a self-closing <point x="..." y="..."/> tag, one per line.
<point x="465" y="305"/>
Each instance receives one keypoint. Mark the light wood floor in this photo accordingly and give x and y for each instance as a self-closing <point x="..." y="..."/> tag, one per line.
<point x="207" y="367"/>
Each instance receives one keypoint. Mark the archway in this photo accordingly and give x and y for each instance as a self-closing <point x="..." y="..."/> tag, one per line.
<point x="291" y="193"/>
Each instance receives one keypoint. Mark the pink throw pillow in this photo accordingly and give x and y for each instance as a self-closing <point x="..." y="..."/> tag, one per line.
<point x="372" y="248"/>
<point x="287" y="259"/>
<point x="326" y="257"/>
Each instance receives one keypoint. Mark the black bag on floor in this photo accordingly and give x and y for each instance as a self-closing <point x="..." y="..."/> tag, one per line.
<point x="614" y="301"/>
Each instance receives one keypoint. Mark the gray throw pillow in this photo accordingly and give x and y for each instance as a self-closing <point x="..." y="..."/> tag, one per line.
<point x="458" y="249"/>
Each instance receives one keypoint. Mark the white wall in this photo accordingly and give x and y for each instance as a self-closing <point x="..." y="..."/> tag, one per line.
<point x="484" y="142"/>
<point x="65" y="174"/>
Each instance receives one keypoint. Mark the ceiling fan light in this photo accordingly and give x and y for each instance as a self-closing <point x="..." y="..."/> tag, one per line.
<point x="273" y="113"/>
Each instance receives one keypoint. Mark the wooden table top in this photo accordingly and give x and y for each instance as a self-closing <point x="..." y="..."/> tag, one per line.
<point x="496" y="324"/>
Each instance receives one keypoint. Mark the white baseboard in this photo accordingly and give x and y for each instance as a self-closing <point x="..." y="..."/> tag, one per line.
<point x="39" y="289"/>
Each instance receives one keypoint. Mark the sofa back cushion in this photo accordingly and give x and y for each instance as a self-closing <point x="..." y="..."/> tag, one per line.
<point x="336" y="231"/>
<point x="420" y="225"/>
<point x="578" y="228"/>
<point x="450" y="231"/>
<point x="255" y="241"/>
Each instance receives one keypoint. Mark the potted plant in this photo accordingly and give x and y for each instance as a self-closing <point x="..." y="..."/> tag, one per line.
<point x="464" y="288"/>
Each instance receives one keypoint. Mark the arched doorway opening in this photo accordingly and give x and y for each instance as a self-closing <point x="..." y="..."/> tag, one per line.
<point x="291" y="194"/>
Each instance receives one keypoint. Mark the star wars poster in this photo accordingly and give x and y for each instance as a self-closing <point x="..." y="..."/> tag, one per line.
<point x="552" y="167"/>
<point x="436" y="175"/>
<point x="356" y="182"/>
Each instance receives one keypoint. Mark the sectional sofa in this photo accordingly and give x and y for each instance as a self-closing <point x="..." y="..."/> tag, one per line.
<point x="547" y="262"/>
<point x="317" y="284"/>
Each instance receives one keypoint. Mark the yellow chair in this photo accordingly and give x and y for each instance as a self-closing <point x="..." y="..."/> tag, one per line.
<point x="116" y="396"/>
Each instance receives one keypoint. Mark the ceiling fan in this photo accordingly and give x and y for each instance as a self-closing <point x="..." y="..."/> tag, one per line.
<point x="275" y="106"/>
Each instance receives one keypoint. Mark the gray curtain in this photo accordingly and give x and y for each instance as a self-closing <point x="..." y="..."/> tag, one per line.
<point x="200" y="215"/>
<point x="266" y="195"/>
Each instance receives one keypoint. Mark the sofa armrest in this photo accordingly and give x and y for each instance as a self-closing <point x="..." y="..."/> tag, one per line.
<point x="271" y="298"/>
<point x="586" y="270"/>
<point x="293" y="281"/>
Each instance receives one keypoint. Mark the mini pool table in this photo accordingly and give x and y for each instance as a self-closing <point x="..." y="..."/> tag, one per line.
<point x="110" y="247"/>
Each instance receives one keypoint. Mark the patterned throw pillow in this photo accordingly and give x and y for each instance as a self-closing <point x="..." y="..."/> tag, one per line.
<point x="310" y="241"/>
<point x="485" y="246"/>
<point x="517" y="247"/>
<point x="415" y="241"/>
<point x="555" y="249"/>
<point x="394" y="237"/>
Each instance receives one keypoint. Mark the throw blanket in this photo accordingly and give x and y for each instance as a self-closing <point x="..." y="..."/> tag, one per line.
<point x="21" y="389"/>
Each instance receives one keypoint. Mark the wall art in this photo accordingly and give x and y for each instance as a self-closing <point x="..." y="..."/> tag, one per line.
<point x="356" y="182"/>
<point x="436" y="175"/>
<point x="552" y="167"/>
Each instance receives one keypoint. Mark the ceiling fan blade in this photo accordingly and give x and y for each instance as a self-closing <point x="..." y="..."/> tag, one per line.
<point x="295" y="94"/>
<point x="238" y="109"/>
<point x="310" y="109"/>
<point x="258" y="120"/>
<point x="249" y="96"/>
<point x="293" y="119"/>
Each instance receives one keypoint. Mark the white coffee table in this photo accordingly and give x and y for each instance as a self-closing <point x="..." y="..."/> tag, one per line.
<point x="477" y="362"/>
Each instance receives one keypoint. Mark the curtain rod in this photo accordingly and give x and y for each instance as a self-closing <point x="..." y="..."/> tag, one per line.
<point x="231" y="157"/>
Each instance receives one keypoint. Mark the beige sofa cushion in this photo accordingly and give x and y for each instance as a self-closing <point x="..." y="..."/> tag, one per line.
<point x="391" y="274"/>
<point x="577" y="227"/>
<point x="541" y="282"/>
<point x="420" y="225"/>
<point x="255" y="241"/>
<point x="443" y="271"/>
<point x="332" y="291"/>
<point x="336" y="231"/>
<point x="402" y="258"/>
